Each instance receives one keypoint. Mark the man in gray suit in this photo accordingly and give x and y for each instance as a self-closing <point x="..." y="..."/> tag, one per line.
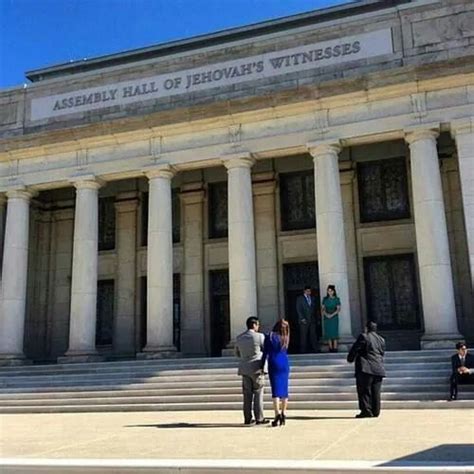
<point x="307" y="323"/>
<point x="249" y="349"/>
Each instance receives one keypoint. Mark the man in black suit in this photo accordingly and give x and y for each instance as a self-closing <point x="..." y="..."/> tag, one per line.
<point x="368" y="352"/>
<point x="308" y="328"/>
<point x="462" y="365"/>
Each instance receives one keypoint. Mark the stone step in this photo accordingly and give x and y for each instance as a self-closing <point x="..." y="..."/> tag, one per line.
<point x="235" y="388"/>
<point x="222" y="397"/>
<point x="197" y="406"/>
<point x="118" y="379"/>
<point x="421" y="367"/>
<point x="230" y="382"/>
<point x="199" y="363"/>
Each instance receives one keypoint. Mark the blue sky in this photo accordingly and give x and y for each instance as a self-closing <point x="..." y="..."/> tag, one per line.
<point x="39" y="33"/>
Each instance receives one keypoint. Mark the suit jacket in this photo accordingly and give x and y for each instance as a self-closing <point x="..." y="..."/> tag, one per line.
<point x="249" y="349"/>
<point x="304" y="310"/>
<point x="368" y="352"/>
<point x="456" y="362"/>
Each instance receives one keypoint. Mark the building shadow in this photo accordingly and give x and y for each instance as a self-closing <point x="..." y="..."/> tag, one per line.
<point x="442" y="455"/>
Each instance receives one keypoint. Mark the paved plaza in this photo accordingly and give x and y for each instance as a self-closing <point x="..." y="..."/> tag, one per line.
<point x="432" y="437"/>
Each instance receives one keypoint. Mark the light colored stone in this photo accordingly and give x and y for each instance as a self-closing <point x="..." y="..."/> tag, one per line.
<point x="84" y="272"/>
<point x="242" y="265"/>
<point x="159" y="264"/>
<point x="432" y="240"/>
<point x="14" y="276"/>
<point x="331" y="238"/>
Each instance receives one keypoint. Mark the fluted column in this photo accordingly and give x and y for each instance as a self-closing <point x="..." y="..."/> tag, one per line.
<point x="82" y="325"/>
<point x="432" y="244"/>
<point x="159" y="265"/>
<point x="331" y="241"/>
<point x="14" y="280"/>
<point x="242" y="271"/>
<point x="463" y="132"/>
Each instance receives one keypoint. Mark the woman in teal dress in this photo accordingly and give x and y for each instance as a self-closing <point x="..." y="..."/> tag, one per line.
<point x="330" y="308"/>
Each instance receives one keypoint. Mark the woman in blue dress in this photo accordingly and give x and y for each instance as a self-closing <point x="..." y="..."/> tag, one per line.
<point x="275" y="351"/>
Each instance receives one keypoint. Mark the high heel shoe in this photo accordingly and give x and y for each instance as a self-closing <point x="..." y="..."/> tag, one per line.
<point x="276" y="420"/>
<point x="282" y="419"/>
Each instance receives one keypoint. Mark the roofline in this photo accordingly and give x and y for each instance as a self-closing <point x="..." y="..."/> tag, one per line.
<point x="223" y="36"/>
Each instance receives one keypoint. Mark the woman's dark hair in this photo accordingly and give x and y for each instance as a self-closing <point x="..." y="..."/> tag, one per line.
<point x="282" y="328"/>
<point x="333" y="288"/>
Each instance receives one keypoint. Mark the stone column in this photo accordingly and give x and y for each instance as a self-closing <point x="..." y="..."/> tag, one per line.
<point x="159" y="266"/>
<point x="331" y="237"/>
<point x="463" y="132"/>
<point x="432" y="244"/>
<point x="192" y="316"/>
<point x="242" y="271"/>
<point x="126" y="205"/>
<point x="3" y="201"/>
<point x="14" y="281"/>
<point x="82" y="325"/>
<point x="264" y="186"/>
<point x="347" y="193"/>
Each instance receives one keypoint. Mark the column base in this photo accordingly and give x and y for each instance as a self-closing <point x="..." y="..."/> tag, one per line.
<point x="13" y="360"/>
<point x="72" y="357"/>
<point x="440" y="341"/>
<point x="164" y="352"/>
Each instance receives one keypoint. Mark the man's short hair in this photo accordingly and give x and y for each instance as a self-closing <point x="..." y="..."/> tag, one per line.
<point x="307" y="287"/>
<point x="251" y="322"/>
<point x="460" y="345"/>
<point x="371" y="326"/>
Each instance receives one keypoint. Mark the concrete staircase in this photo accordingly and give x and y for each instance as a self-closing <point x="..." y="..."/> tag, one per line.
<point x="416" y="379"/>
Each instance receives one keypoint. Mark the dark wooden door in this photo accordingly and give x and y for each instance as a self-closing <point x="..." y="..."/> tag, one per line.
<point x="220" y="311"/>
<point x="392" y="299"/>
<point x="296" y="276"/>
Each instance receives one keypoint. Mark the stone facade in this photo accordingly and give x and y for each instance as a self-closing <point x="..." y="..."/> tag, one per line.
<point x="320" y="115"/>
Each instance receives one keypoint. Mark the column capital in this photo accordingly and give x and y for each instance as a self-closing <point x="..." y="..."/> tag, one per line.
<point x="21" y="193"/>
<point x="326" y="147"/>
<point x="462" y="126"/>
<point x="162" y="171"/>
<point x="88" y="181"/>
<point x="424" y="132"/>
<point x="242" y="159"/>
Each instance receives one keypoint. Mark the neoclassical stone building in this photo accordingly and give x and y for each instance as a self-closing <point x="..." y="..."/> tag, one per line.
<point x="152" y="200"/>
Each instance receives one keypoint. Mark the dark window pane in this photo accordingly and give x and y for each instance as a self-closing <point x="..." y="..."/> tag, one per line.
<point x="392" y="296"/>
<point x="297" y="201"/>
<point x="175" y="216"/>
<point x="383" y="190"/>
<point x="105" y="312"/>
<point x="218" y="222"/>
<point x="220" y="310"/>
<point x="107" y="223"/>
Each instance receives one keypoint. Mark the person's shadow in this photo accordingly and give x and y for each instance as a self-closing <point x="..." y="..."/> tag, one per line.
<point x="189" y="425"/>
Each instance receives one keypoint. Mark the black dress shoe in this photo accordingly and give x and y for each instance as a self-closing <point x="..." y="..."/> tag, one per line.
<point x="452" y="398"/>
<point x="249" y="423"/>
<point x="263" y="422"/>
<point x="364" y="415"/>
<point x="282" y="419"/>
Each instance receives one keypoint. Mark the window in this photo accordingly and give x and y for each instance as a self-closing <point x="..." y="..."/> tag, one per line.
<point x="107" y="223"/>
<point x="175" y="216"/>
<point x="297" y="200"/>
<point x="105" y="312"/>
<point x="383" y="190"/>
<point x="218" y="222"/>
<point x="392" y="295"/>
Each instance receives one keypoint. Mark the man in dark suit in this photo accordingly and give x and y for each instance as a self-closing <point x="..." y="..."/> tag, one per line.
<point x="368" y="352"/>
<point x="307" y="324"/>
<point x="249" y="350"/>
<point x="462" y="365"/>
